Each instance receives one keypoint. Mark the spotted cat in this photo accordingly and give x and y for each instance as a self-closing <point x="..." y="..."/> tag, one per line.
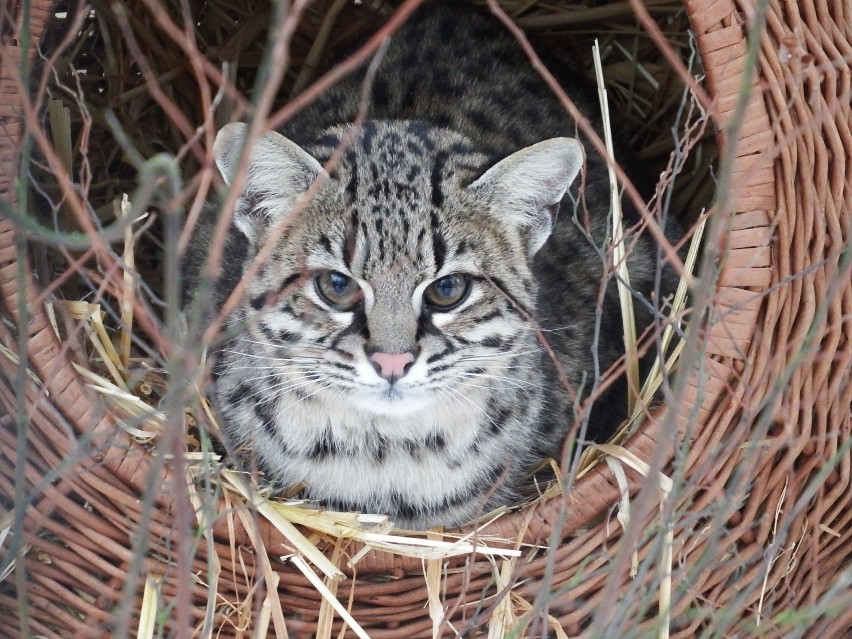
<point x="386" y="354"/>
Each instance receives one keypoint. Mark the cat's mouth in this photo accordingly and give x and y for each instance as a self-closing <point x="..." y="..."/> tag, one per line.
<point x="391" y="400"/>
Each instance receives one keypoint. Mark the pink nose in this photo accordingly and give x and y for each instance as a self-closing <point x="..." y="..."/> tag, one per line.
<point x="392" y="366"/>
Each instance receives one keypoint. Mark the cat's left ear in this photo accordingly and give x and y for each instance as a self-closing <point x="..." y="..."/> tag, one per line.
<point x="525" y="188"/>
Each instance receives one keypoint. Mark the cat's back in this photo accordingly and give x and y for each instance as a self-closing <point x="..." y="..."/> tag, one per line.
<point x="450" y="65"/>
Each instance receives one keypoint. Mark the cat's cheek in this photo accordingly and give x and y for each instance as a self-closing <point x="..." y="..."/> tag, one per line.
<point x="443" y="320"/>
<point x="335" y="327"/>
<point x="285" y="324"/>
<point x="481" y="331"/>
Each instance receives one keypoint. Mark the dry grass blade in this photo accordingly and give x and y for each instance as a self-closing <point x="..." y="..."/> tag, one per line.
<point x="524" y="605"/>
<point x="5" y="531"/>
<point x="503" y="619"/>
<point x="326" y="612"/>
<point x="150" y="605"/>
<point x="654" y="379"/>
<point x="60" y="134"/>
<point x="658" y="372"/>
<point x="141" y="421"/>
<point x="428" y="548"/>
<point x="772" y="559"/>
<point x="630" y="459"/>
<point x="263" y="506"/>
<point x="271" y="602"/>
<point x="261" y="628"/>
<point x="623" y="514"/>
<point x="665" y="575"/>
<point x="328" y="596"/>
<point x="12" y="357"/>
<point x="433" y="590"/>
<point x="92" y="316"/>
<point x="60" y="130"/>
<point x="204" y="513"/>
<point x="619" y="257"/>
<point x="351" y="526"/>
<point x="665" y="485"/>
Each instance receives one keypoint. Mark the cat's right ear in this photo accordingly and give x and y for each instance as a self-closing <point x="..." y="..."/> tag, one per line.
<point x="279" y="173"/>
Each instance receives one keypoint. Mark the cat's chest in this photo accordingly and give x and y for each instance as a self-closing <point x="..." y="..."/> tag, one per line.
<point x="328" y="429"/>
<point x="352" y="459"/>
<point x="430" y="467"/>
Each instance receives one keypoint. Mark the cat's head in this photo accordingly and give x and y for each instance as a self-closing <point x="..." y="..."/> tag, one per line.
<point x="403" y="272"/>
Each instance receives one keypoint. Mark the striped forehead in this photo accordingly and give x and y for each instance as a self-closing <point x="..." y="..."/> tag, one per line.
<point x="394" y="183"/>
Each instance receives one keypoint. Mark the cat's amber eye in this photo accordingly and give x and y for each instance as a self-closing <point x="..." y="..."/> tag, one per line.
<point x="448" y="292"/>
<point x="339" y="291"/>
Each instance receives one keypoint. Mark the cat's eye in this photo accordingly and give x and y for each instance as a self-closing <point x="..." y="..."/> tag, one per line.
<point x="339" y="291"/>
<point x="446" y="293"/>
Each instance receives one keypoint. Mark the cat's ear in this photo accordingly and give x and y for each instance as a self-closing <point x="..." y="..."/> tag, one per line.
<point x="279" y="173"/>
<point x="525" y="188"/>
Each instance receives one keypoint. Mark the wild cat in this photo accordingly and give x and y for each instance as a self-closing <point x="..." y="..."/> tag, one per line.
<point x="387" y="354"/>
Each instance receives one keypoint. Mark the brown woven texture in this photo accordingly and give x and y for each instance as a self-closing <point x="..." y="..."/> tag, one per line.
<point x="760" y="432"/>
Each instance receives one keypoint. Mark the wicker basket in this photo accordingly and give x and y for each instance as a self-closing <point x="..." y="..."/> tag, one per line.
<point x="769" y="461"/>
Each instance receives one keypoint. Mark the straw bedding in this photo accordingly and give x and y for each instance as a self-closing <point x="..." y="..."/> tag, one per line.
<point x="734" y="500"/>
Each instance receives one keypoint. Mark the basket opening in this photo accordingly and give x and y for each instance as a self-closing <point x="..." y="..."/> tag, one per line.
<point x="102" y="113"/>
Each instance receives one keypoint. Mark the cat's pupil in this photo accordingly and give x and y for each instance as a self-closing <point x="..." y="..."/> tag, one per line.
<point x="339" y="283"/>
<point x="447" y="287"/>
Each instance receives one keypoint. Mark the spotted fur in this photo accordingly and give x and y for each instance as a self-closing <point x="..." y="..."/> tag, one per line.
<point x="459" y="168"/>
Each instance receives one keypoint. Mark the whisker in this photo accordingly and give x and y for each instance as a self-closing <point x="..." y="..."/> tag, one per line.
<point x="270" y="357"/>
<point x="301" y="399"/>
<point x="504" y="366"/>
<point x="503" y="354"/>
<point x="443" y="392"/>
<point x="278" y="391"/>
<point x="266" y="342"/>
<point x="475" y="405"/>
<point x="512" y="383"/>
<point x="490" y="386"/>
<point x="281" y="366"/>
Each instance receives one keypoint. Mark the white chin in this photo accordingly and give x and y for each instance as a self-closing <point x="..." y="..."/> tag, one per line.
<point x="390" y="402"/>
